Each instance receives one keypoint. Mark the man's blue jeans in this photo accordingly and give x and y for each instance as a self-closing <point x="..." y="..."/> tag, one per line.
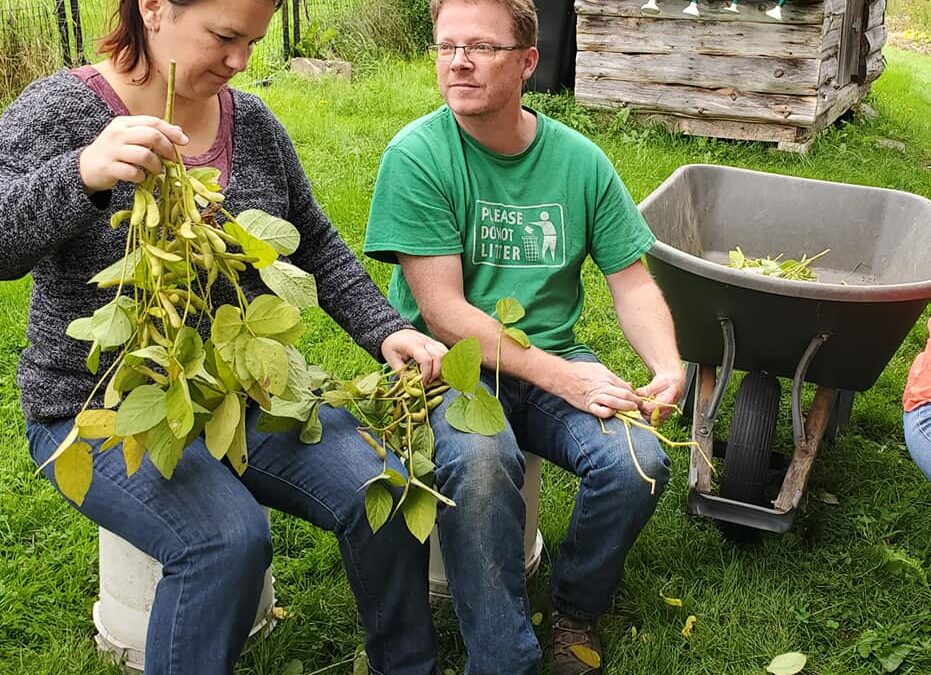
<point x="482" y="536"/>
<point x="918" y="436"/>
<point x="206" y="528"/>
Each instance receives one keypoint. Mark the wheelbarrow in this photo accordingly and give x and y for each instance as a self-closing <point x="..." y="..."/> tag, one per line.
<point x="838" y="332"/>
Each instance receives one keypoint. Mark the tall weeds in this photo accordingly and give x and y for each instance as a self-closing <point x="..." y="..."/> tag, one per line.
<point x="29" y="45"/>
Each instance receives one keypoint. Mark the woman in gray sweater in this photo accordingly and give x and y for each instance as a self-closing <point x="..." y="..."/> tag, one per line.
<point x="71" y="148"/>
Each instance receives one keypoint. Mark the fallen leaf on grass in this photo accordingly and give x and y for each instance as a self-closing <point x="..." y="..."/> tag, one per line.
<point x="589" y="657"/>
<point x="787" y="664"/>
<point x="281" y="613"/>
<point x="672" y="602"/>
<point x="689" y="625"/>
<point x="828" y="498"/>
<point x="537" y="618"/>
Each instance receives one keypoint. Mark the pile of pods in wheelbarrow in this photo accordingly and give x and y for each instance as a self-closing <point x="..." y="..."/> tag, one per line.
<point x="838" y="332"/>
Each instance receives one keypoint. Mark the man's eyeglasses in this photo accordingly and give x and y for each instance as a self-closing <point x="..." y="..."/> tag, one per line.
<point x="481" y="52"/>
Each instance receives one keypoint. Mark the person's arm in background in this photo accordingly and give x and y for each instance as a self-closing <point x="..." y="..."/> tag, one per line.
<point x="436" y="282"/>
<point x="647" y="324"/>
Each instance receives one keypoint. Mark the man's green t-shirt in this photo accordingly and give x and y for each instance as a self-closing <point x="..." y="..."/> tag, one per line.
<point x="522" y="224"/>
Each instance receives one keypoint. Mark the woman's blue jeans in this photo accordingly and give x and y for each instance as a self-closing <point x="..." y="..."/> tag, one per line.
<point x="482" y="536"/>
<point x="917" y="425"/>
<point x="206" y="527"/>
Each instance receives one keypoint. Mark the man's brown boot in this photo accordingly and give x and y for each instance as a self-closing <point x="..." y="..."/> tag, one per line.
<point x="566" y="633"/>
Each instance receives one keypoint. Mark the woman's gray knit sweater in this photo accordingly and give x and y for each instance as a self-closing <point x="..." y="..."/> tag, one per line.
<point x="51" y="227"/>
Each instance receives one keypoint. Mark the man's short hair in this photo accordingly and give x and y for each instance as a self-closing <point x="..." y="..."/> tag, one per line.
<point x="523" y="18"/>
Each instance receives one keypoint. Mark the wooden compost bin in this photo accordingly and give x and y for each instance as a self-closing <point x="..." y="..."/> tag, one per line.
<point x="739" y="75"/>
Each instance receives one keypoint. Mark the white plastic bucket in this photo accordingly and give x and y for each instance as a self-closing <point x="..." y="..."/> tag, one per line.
<point x="127" y="589"/>
<point x="533" y="540"/>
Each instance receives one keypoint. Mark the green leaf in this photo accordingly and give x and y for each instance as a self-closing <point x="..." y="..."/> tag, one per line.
<point x="789" y="663"/>
<point x="419" y="509"/>
<point x="378" y="504"/>
<point x="96" y="423"/>
<point x="313" y="430"/>
<point x="509" y="310"/>
<point x="221" y="427"/>
<point x="133" y="453"/>
<point x="894" y="658"/>
<point x="123" y="269"/>
<point x="143" y="408"/>
<point x="93" y="359"/>
<point x="360" y="662"/>
<point x="111" y="397"/>
<point x="165" y="449"/>
<point x="290" y="283"/>
<point x="294" y="410"/>
<point x="227" y="324"/>
<point x="271" y="424"/>
<point x="111" y="325"/>
<point x="74" y="471"/>
<point x="462" y="365"/>
<point x="238" y="454"/>
<point x="251" y="246"/>
<point x="423" y="441"/>
<point x="367" y="384"/>
<point x="484" y="414"/>
<point x="270" y="315"/>
<point x="189" y="350"/>
<point x="519" y="336"/>
<point x="267" y="362"/>
<point x="422" y="465"/>
<point x="456" y="414"/>
<point x="395" y="478"/>
<point x="154" y="353"/>
<point x="280" y="234"/>
<point x="178" y="408"/>
<point x="66" y="442"/>
<point x="81" y="329"/>
<point x="293" y="667"/>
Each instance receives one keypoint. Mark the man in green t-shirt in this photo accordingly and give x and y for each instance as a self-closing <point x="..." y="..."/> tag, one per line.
<point x="484" y="199"/>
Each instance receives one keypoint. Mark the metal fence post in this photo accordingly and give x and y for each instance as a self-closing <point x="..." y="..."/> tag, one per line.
<point x="78" y="36"/>
<point x="63" y="31"/>
<point x="285" y="37"/>
<point x="296" y="21"/>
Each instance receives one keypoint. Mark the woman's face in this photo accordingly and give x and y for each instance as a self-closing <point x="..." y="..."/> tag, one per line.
<point x="211" y="40"/>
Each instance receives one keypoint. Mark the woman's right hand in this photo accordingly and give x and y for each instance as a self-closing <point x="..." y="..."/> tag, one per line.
<point x="127" y="148"/>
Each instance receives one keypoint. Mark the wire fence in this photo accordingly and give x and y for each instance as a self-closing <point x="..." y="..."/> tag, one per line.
<point x="39" y="36"/>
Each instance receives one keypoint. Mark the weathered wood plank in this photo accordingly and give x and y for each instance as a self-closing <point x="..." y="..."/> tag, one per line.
<point x="826" y="79"/>
<point x="795" y="11"/>
<point x="744" y="73"/>
<point x="739" y="131"/>
<point x="830" y="44"/>
<point x="876" y="37"/>
<point x="727" y="104"/>
<point x="877" y="13"/>
<point x="649" y="36"/>
<point x="838" y="102"/>
<point x="828" y="87"/>
<point x="875" y="65"/>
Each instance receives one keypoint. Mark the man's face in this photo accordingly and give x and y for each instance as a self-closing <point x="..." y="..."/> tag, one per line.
<point x="473" y="88"/>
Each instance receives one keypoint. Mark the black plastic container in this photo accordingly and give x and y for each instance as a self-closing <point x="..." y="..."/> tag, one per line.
<point x="556" y="42"/>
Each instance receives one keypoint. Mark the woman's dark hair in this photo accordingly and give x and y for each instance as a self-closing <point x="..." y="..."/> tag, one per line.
<point x="126" y="43"/>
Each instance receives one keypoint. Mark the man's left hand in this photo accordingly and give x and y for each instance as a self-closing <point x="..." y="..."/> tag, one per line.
<point x="403" y="345"/>
<point x="664" y="388"/>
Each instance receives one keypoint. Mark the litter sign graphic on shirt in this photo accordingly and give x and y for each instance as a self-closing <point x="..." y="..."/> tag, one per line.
<point x="506" y="235"/>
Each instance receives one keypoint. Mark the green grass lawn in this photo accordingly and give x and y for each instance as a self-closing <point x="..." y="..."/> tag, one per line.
<point x="847" y="585"/>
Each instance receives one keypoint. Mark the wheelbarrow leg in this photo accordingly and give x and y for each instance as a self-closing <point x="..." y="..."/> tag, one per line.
<point x="807" y="432"/>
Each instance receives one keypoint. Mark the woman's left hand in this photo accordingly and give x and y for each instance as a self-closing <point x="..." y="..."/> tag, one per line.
<point x="403" y="345"/>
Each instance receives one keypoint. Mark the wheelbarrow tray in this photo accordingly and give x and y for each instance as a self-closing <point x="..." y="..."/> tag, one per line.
<point x="839" y="332"/>
<point x="873" y="285"/>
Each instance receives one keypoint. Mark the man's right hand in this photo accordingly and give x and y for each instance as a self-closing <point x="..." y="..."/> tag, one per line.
<point x="595" y="389"/>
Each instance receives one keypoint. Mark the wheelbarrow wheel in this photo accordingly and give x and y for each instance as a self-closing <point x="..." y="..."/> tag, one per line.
<point x="749" y="445"/>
